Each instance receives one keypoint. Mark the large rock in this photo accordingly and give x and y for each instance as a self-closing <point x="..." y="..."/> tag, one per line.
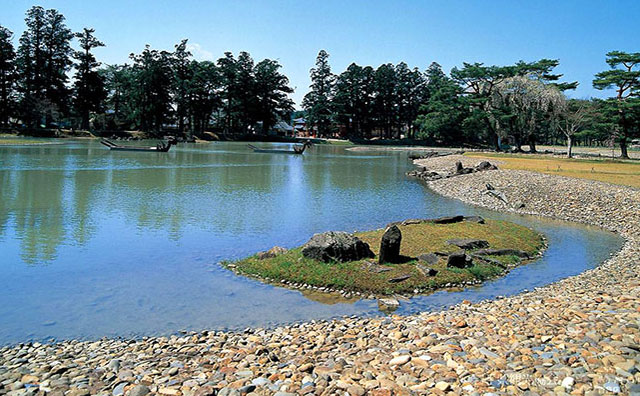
<point x="469" y="243"/>
<point x="485" y="165"/>
<point x="448" y="220"/>
<point x="336" y="246"/>
<point x="390" y="245"/>
<point x="459" y="260"/>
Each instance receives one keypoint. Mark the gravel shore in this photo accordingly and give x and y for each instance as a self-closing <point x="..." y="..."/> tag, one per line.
<point x="577" y="336"/>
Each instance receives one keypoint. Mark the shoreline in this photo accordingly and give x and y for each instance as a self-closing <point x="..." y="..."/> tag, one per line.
<point x="580" y="333"/>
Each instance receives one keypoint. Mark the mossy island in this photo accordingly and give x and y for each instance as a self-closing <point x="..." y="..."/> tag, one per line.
<point x="433" y="254"/>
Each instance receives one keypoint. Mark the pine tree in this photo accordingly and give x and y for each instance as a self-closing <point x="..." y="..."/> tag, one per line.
<point x="7" y="76"/>
<point x="44" y="58"/>
<point x="318" y="102"/>
<point x="624" y="108"/>
<point x="89" y="87"/>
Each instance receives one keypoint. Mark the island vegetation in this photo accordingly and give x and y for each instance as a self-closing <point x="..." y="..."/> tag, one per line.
<point x="425" y="247"/>
<point x="162" y="92"/>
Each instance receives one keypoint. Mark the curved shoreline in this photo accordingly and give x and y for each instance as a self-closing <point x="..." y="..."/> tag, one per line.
<point x="580" y="333"/>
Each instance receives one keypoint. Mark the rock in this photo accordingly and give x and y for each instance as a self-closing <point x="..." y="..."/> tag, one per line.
<point x="142" y="390"/>
<point x="426" y="271"/>
<point x="443" y="386"/>
<point x="502" y="252"/>
<point x="118" y="390"/>
<point x="568" y="382"/>
<point x="474" y="219"/>
<point x="114" y="365"/>
<point x="400" y="278"/>
<point x="169" y="392"/>
<point x="459" y="260"/>
<point x="336" y="246"/>
<point x="271" y="253"/>
<point x="206" y="390"/>
<point x="355" y="390"/>
<point x="612" y="386"/>
<point x="390" y="245"/>
<point x="389" y="302"/>
<point x="429" y="258"/>
<point x="399" y="360"/>
<point x="78" y="392"/>
<point x="497" y="194"/>
<point x="377" y="269"/>
<point x="485" y="165"/>
<point x="469" y="243"/>
<point x="448" y="219"/>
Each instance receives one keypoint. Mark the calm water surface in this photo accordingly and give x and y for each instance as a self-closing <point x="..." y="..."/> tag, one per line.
<point x="96" y="243"/>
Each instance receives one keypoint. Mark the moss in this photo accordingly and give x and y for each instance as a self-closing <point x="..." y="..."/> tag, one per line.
<point x="421" y="238"/>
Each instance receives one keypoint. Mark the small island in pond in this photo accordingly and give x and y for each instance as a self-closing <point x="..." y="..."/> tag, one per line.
<point x="418" y="256"/>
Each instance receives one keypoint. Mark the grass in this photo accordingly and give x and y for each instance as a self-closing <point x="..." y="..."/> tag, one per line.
<point x="23" y="141"/>
<point x="416" y="239"/>
<point x="625" y="173"/>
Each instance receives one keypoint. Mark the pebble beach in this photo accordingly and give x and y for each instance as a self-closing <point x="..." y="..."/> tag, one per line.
<point x="577" y="336"/>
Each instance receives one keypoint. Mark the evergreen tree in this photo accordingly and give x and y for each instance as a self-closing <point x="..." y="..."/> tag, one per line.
<point x="624" y="108"/>
<point x="44" y="58"/>
<point x="353" y="100"/>
<point x="182" y="78"/>
<point x="120" y="83"/>
<point x="318" y="102"/>
<point x="204" y="94"/>
<point x="272" y="90"/>
<point x="152" y="89"/>
<point x="7" y="76"/>
<point x="89" y="87"/>
<point x="442" y="115"/>
<point x="386" y="99"/>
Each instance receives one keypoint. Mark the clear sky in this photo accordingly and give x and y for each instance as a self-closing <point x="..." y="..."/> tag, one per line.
<point x="578" y="33"/>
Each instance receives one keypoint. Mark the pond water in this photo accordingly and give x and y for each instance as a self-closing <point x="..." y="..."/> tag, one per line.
<point x="97" y="243"/>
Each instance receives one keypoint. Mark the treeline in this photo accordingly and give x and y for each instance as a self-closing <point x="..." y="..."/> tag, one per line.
<point x="47" y="82"/>
<point x="475" y="105"/>
<point x="157" y="90"/>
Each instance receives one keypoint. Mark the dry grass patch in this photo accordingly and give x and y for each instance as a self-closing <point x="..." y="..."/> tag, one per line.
<point x="626" y="173"/>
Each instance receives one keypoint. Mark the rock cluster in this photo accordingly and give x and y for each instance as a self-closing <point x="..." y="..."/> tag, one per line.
<point x="429" y="175"/>
<point x="579" y="336"/>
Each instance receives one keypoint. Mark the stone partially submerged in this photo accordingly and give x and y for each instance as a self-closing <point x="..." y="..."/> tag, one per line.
<point x="336" y="246"/>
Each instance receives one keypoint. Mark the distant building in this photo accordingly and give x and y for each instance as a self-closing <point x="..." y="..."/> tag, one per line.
<point x="300" y="127"/>
<point x="283" y="129"/>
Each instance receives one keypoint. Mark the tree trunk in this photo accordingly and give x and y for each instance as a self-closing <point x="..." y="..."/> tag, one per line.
<point x="623" y="148"/>
<point x="496" y="142"/>
<point x="532" y="144"/>
<point x="569" y="146"/>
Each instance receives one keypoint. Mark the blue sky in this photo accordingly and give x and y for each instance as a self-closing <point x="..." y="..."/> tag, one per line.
<point x="578" y="33"/>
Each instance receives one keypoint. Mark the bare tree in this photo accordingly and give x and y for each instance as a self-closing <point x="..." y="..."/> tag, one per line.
<point x="574" y="118"/>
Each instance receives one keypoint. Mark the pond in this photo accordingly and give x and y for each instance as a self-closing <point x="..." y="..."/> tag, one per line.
<point x="97" y="243"/>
